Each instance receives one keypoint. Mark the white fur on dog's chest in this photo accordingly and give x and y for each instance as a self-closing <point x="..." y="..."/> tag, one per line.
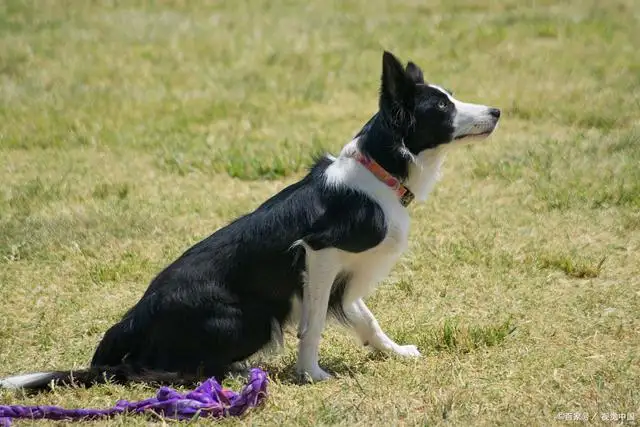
<point x="370" y="267"/>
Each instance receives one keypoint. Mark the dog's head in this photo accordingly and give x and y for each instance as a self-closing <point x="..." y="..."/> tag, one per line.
<point x="427" y="115"/>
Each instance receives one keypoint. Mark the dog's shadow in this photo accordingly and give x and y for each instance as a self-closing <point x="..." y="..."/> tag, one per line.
<point x="285" y="372"/>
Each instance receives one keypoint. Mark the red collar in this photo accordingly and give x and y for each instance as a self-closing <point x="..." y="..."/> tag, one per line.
<point x="404" y="194"/>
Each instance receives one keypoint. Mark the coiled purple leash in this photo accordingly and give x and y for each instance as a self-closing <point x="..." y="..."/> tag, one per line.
<point x="209" y="400"/>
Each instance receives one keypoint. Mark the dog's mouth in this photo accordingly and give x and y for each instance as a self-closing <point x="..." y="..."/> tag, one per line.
<point x="479" y="135"/>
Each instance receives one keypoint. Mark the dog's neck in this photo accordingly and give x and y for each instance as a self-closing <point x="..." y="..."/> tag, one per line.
<point x="419" y="173"/>
<point x="425" y="172"/>
<point x="385" y="147"/>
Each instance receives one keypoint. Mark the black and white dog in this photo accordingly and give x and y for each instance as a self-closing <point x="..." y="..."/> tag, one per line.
<point x="318" y="247"/>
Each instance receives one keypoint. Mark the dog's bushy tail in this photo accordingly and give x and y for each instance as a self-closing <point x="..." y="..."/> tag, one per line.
<point x="122" y="374"/>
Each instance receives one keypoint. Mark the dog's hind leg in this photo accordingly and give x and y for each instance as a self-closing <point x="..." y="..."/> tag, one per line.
<point x="322" y="268"/>
<point x="370" y="333"/>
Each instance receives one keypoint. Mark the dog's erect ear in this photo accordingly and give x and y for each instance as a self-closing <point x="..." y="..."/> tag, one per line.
<point x="415" y="73"/>
<point x="396" y="85"/>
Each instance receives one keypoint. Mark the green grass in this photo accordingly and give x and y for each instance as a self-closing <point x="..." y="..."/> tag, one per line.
<point x="130" y="130"/>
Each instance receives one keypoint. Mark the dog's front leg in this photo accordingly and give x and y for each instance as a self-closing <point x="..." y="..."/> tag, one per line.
<point x="322" y="268"/>
<point x="370" y="333"/>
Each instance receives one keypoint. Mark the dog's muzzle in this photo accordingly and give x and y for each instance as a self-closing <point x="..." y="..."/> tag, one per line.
<point x="475" y="121"/>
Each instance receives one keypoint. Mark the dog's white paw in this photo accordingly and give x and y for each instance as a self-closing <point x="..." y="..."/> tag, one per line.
<point x="315" y="374"/>
<point x="407" y="350"/>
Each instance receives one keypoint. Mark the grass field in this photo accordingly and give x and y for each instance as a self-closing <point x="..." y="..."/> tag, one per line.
<point x="130" y="130"/>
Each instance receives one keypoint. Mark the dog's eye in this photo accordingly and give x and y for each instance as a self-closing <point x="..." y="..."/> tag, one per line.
<point x="442" y="105"/>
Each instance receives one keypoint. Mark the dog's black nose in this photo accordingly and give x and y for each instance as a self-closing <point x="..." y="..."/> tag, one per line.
<point x="495" y="112"/>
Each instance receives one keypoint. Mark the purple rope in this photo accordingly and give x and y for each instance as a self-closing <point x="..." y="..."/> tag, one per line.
<point x="209" y="400"/>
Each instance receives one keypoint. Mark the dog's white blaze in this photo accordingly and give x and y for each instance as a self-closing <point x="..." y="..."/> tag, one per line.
<point x="20" y="381"/>
<point x="470" y="119"/>
<point x="367" y="268"/>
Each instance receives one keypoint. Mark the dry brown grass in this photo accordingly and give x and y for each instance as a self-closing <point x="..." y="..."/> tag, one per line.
<point x="130" y="131"/>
